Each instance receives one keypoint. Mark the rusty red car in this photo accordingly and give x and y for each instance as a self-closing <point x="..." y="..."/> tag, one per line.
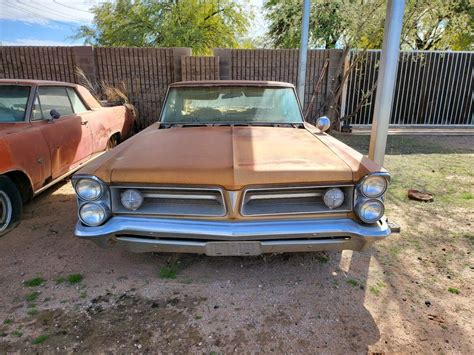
<point x="48" y="130"/>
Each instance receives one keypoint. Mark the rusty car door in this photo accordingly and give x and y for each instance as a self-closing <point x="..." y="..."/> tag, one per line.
<point x="22" y="146"/>
<point x="68" y="135"/>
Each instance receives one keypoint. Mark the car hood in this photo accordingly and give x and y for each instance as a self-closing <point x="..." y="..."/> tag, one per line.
<point x="232" y="157"/>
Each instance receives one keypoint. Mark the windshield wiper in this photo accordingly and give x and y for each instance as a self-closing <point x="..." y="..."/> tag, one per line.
<point x="231" y="124"/>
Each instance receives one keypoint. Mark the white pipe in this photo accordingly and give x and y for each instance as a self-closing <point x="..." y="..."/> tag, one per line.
<point x="386" y="80"/>
<point x="303" y="50"/>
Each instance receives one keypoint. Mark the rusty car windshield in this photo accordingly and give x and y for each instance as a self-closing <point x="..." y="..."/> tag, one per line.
<point x="13" y="102"/>
<point x="224" y="104"/>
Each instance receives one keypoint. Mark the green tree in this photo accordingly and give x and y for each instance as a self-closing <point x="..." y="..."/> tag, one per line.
<point x="428" y="24"/>
<point x="201" y="25"/>
<point x="284" y="17"/>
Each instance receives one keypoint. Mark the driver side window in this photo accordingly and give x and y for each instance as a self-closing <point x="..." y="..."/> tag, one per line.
<point x="52" y="98"/>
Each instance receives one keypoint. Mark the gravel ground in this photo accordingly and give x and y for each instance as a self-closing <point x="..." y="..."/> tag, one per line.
<point x="392" y="298"/>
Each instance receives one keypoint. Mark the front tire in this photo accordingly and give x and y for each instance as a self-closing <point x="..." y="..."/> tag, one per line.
<point x="11" y="206"/>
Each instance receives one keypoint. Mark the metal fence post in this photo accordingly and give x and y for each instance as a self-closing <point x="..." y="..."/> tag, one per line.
<point x="386" y="80"/>
<point x="303" y="50"/>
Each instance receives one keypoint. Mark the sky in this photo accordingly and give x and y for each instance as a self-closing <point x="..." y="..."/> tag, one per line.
<point x="53" y="22"/>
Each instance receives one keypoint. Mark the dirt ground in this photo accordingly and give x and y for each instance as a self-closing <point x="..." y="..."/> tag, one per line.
<point x="410" y="293"/>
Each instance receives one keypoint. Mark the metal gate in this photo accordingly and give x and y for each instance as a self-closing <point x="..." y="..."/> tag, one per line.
<point x="433" y="88"/>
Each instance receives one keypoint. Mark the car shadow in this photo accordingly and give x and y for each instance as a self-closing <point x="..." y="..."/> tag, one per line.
<point x="313" y="300"/>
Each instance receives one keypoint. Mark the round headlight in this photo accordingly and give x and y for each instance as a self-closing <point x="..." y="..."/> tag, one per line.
<point x="93" y="214"/>
<point x="88" y="189"/>
<point x="370" y="211"/>
<point x="131" y="199"/>
<point x="333" y="198"/>
<point x="374" y="186"/>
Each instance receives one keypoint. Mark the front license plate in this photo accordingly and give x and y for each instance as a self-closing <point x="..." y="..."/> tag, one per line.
<point x="233" y="248"/>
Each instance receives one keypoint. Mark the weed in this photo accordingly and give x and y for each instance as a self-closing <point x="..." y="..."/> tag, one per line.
<point x="187" y="281"/>
<point x="467" y="195"/>
<point x="8" y="321"/>
<point x="323" y="259"/>
<point x="75" y="278"/>
<point x="40" y="339"/>
<point x="32" y="311"/>
<point x="454" y="290"/>
<point x="83" y="294"/>
<point x="31" y="297"/>
<point x="168" y="272"/>
<point x="353" y="282"/>
<point x="197" y="317"/>
<point x="469" y="237"/>
<point x="60" y="280"/>
<point x="375" y="289"/>
<point x="17" y="333"/>
<point x="37" y="281"/>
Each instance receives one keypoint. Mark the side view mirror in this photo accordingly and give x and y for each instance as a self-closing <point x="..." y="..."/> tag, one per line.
<point x="323" y="123"/>
<point x="54" y="114"/>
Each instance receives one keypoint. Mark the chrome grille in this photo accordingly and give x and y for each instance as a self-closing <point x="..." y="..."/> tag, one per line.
<point x="292" y="200"/>
<point x="173" y="201"/>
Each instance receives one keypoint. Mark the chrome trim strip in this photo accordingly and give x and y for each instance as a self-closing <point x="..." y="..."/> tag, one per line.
<point x="70" y="172"/>
<point x="180" y="196"/>
<point x="244" y="195"/>
<point x="276" y="196"/>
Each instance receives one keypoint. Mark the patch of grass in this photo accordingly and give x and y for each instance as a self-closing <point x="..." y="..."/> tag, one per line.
<point x="83" y="294"/>
<point x="31" y="297"/>
<point x="168" y="272"/>
<point x="469" y="237"/>
<point x="32" y="311"/>
<point x="353" y="282"/>
<point x="8" y="321"/>
<point x="17" y="333"/>
<point x="60" y="280"/>
<point x="375" y="289"/>
<point x="187" y="281"/>
<point x="454" y="290"/>
<point x="37" y="281"/>
<point x="197" y="317"/>
<point x="75" y="278"/>
<point x="323" y="259"/>
<point x="40" y="339"/>
<point x="467" y="195"/>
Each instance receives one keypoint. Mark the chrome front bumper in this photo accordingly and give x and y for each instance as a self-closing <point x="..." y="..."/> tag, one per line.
<point x="233" y="238"/>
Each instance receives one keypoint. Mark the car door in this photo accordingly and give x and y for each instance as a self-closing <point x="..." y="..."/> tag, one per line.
<point x="67" y="134"/>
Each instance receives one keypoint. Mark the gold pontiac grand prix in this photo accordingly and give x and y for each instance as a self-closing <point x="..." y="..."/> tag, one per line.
<point x="232" y="168"/>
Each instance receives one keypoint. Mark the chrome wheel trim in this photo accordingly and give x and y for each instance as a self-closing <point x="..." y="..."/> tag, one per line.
<point x="6" y="211"/>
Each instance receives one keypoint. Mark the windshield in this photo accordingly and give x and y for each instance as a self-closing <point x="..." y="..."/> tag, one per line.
<point x="13" y="100"/>
<point x="231" y="105"/>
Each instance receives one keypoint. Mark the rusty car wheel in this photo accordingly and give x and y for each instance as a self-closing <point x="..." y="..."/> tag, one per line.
<point x="10" y="205"/>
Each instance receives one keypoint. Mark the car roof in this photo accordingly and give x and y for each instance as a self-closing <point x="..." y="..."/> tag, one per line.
<point x="231" y="83"/>
<point x="34" y="82"/>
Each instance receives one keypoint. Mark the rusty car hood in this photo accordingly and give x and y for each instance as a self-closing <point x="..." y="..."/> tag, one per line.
<point x="232" y="157"/>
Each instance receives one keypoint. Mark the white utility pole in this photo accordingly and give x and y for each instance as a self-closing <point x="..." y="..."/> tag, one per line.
<point x="387" y="79"/>
<point x="303" y="50"/>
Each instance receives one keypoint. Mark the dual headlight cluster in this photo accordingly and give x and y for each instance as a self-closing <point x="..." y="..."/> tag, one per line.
<point x="94" y="200"/>
<point x="369" y="197"/>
